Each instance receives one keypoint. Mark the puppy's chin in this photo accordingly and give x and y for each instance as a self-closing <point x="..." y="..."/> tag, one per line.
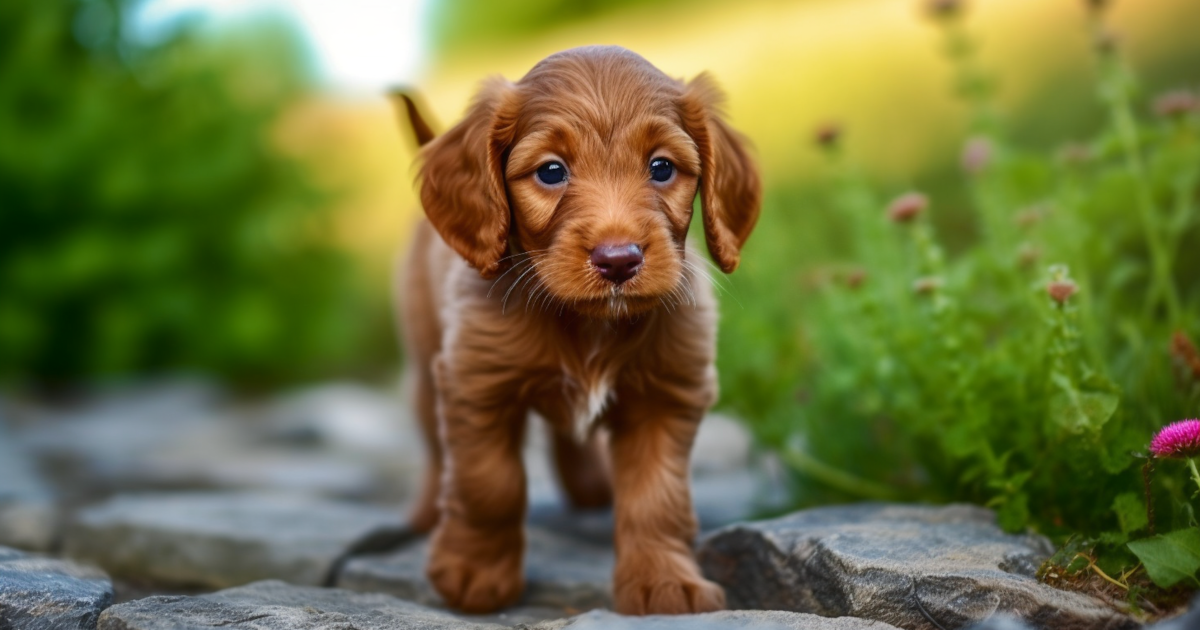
<point x="621" y="302"/>
<point x="616" y="306"/>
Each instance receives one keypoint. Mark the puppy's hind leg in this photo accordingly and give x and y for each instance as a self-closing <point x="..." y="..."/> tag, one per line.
<point x="583" y="470"/>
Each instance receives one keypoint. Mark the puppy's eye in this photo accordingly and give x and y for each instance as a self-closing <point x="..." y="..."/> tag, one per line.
<point x="552" y="173"/>
<point x="661" y="170"/>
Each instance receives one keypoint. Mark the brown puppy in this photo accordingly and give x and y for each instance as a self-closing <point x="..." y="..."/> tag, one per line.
<point x="552" y="276"/>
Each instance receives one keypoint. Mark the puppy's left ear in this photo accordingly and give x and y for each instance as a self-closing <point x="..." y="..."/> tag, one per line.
<point x="462" y="179"/>
<point x="730" y="188"/>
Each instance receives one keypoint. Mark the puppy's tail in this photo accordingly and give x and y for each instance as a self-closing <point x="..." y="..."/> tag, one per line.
<point x="409" y="106"/>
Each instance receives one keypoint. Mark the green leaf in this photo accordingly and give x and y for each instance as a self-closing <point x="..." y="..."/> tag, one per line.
<point x="1077" y="410"/>
<point x="1013" y="514"/>
<point x="1130" y="511"/>
<point x="1170" y="558"/>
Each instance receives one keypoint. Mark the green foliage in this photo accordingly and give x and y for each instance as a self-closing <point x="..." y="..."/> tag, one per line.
<point x="1131" y="512"/>
<point x="1170" y="558"/>
<point x="1028" y="368"/>
<point x="148" y="221"/>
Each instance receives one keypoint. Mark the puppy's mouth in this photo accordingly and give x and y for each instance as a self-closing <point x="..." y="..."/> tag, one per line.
<point x="619" y="304"/>
<point x="620" y="282"/>
<point x="631" y="298"/>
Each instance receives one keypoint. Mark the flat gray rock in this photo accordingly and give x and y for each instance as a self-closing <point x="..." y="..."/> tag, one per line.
<point x="724" y="620"/>
<point x="559" y="573"/>
<point x="274" y="605"/>
<point x="1187" y="621"/>
<point x="223" y="539"/>
<point x="910" y="566"/>
<point x="1000" y="622"/>
<point x="28" y="514"/>
<point x="341" y="441"/>
<point x="47" y="594"/>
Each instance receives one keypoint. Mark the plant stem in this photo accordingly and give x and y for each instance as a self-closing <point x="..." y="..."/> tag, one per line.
<point x="1116" y="90"/>
<point x="836" y="478"/>
<point x="1159" y="254"/>
<point x="1195" y="473"/>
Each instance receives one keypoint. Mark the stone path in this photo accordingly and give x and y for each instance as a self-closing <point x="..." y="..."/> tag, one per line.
<point x="220" y="539"/>
<point x="911" y="566"/>
<point x="27" y="510"/>
<point x="292" y="506"/>
<point x="561" y="573"/>
<point x="37" y="593"/>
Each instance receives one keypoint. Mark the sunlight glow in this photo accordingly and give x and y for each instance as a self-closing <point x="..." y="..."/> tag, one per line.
<point x="361" y="46"/>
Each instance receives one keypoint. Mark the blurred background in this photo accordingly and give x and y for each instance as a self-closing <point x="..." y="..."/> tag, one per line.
<point x="220" y="186"/>
<point x="202" y="202"/>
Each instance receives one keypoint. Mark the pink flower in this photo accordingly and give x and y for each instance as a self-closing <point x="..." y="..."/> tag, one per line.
<point x="1176" y="104"/>
<point x="1178" y="440"/>
<point x="906" y="207"/>
<point x="976" y="155"/>
<point x="1060" y="290"/>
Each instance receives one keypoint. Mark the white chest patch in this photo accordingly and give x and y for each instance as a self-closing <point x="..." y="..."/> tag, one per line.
<point x="589" y="406"/>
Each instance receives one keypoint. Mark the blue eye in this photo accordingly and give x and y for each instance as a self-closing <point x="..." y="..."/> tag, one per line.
<point x="661" y="170"/>
<point x="552" y="173"/>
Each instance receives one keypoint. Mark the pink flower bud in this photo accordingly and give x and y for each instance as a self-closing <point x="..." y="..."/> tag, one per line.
<point x="1030" y="216"/>
<point x="1176" y="104"/>
<point x="907" y="207"/>
<point x="976" y="156"/>
<point x="1075" y="153"/>
<point x="855" y="278"/>
<point x="1061" y="290"/>
<point x="927" y="285"/>
<point x="1106" y="42"/>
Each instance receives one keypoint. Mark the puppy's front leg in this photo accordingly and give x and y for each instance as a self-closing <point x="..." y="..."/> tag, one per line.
<point x="656" y="572"/>
<point x="476" y="550"/>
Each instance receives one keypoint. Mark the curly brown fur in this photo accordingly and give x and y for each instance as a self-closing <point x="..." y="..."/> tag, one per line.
<point x="505" y="311"/>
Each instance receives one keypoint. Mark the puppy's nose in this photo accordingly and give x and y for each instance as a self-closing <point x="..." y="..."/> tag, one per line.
<point x="617" y="262"/>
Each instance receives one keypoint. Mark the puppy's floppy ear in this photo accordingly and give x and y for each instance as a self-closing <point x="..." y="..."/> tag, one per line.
<point x="462" y="178"/>
<point x="730" y="189"/>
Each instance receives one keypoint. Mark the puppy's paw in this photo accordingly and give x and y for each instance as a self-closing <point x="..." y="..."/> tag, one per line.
<point x="666" y="594"/>
<point x="476" y="583"/>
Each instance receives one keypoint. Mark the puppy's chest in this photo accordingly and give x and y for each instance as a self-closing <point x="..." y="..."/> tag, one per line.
<point x="583" y="388"/>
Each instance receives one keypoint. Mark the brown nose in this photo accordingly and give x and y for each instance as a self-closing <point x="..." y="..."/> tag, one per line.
<point x="617" y="263"/>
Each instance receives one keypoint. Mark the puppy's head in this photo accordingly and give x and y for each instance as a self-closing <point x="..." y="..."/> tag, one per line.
<point x="581" y="178"/>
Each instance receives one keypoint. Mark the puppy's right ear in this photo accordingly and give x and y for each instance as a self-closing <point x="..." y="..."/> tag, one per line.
<point x="462" y="178"/>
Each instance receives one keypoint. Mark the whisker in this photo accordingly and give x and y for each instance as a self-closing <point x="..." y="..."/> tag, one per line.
<point x="528" y="252"/>
<point x="717" y="276"/>
<point x="718" y="282"/>
<point x="530" y="255"/>
<point x="508" y="271"/>
<point x="515" y="284"/>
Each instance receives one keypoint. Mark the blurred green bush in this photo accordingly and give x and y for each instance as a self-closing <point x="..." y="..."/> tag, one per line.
<point x="1026" y="370"/>
<point x="148" y="222"/>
